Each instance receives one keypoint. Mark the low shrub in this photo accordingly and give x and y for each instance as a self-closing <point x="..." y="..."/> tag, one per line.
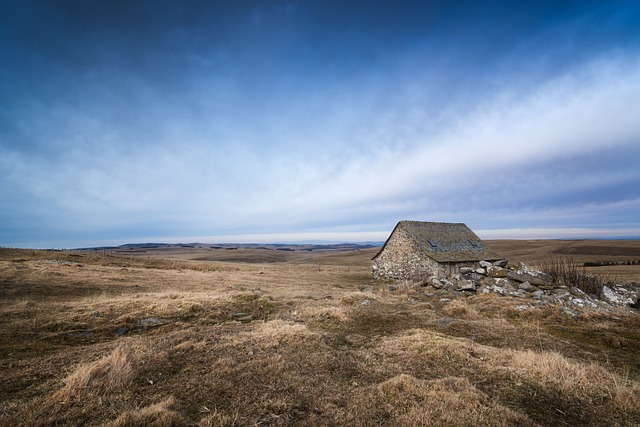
<point x="565" y="271"/>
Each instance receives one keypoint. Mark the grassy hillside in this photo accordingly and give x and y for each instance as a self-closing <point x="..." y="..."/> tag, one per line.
<point x="124" y="339"/>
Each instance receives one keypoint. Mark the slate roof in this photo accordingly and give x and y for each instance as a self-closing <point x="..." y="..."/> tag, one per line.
<point x="446" y="242"/>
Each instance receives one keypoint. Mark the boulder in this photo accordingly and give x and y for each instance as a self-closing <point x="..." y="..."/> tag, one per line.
<point x="501" y="263"/>
<point x="466" y="285"/>
<point x="495" y="271"/>
<point x="526" y="286"/>
<point x="533" y="277"/>
<point x="488" y="281"/>
<point x="485" y="264"/>
<point x="614" y="298"/>
<point x="498" y="290"/>
<point x="466" y="270"/>
<point x="475" y="277"/>
<point x="570" y="312"/>
<point x="435" y="282"/>
<point x="537" y="294"/>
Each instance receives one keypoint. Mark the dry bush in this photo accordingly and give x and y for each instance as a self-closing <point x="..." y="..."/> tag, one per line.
<point x="162" y="414"/>
<point x="566" y="272"/>
<point x="408" y="401"/>
<point x="112" y="372"/>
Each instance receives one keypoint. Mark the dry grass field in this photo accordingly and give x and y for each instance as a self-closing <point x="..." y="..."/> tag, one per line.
<point x="181" y="337"/>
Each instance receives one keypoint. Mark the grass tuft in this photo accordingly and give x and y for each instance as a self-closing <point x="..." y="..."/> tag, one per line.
<point x="109" y="374"/>
<point x="162" y="414"/>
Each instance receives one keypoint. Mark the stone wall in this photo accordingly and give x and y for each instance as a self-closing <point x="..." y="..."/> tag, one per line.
<point x="531" y="288"/>
<point x="402" y="259"/>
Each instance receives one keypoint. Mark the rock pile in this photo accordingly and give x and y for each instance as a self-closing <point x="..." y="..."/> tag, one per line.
<point x="536" y="288"/>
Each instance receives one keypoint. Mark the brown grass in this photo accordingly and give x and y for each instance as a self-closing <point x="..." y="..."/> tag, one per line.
<point x="451" y="401"/>
<point x="109" y="374"/>
<point x="162" y="414"/>
<point x="219" y="344"/>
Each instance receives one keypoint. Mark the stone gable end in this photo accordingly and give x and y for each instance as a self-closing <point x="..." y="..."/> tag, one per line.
<point x="402" y="258"/>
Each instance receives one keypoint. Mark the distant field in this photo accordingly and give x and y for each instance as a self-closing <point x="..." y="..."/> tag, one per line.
<point x="217" y="337"/>
<point x="532" y="252"/>
<point x="580" y="251"/>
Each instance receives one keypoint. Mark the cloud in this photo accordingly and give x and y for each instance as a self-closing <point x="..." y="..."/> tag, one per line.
<point x="573" y="116"/>
<point x="237" y="120"/>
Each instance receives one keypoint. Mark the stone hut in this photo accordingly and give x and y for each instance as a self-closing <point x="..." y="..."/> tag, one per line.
<point x="416" y="250"/>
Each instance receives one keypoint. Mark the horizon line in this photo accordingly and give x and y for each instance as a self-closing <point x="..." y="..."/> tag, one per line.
<point x="333" y="237"/>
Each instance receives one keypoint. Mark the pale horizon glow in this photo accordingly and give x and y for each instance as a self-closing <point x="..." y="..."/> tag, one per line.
<point x="345" y="237"/>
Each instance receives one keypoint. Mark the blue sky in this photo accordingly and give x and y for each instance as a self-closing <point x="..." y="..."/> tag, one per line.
<point x="178" y="121"/>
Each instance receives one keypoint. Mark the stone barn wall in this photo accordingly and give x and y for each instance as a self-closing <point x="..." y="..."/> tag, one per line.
<point x="402" y="259"/>
<point x="450" y="269"/>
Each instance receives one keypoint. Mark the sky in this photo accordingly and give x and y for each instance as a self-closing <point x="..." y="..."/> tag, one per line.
<point x="269" y="121"/>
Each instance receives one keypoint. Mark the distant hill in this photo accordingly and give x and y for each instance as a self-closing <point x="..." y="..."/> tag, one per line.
<point x="263" y="246"/>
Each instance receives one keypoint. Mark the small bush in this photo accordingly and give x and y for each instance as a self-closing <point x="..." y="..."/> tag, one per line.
<point x="565" y="271"/>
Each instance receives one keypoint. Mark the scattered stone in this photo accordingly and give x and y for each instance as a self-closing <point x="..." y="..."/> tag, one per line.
<point x="520" y="293"/>
<point x="466" y="285"/>
<point x="154" y="321"/>
<point x="537" y="294"/>
<point x="475" y="277"/>
<point x="488" y="281"/>
<point x="526" y="286"/>
<point x="444" y="322"/>
<point x="498" y="290"/>
<point x="520" y="281"/>
<point x="570" y="311"/>
<point x="436" y="283"/>
<point x="579" y="302"/>
<point x="448" y="286"/>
